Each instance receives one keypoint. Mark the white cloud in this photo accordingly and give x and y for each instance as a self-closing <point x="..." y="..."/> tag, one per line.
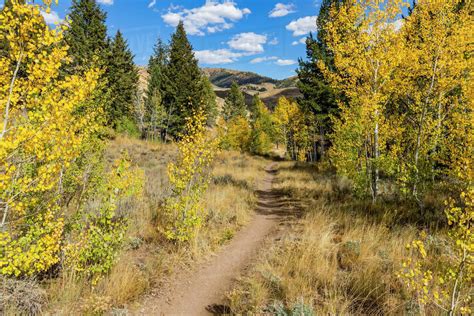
<point x="262" y="59"/>
<point x="219" y="28"/>
<point x="300" y="41"/>
<point x="281" y="9"/>
<point x="151" y="4"/>
<point x="51" y="18"/>
<point x="213" y="16"/>
<point x="302" y="26"/>
<point x="274" y="41"/>
<point x="248" y="42"/>
<point x="172" y="18"/>
<point x="220" y="56"/>
<point x="106" y="2"/>
<point x="285" y="62"/>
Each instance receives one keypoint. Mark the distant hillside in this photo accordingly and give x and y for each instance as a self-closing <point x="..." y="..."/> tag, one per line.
<point x="288" y="82"/>
<point x="269" y="90"/>
<point x="223" y="78"/>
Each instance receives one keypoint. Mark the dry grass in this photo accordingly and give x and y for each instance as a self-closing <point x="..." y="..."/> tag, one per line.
<point x="230" y="199"/>
<point x="148" y="258"/>
<point x="21" y="297"/>
<point x="338" y="259"/>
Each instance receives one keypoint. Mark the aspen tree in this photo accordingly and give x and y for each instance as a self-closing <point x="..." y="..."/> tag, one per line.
<point x="433" y="88"/>
<point x="45" y="125"/>
<point x="291" y="128"/>
<point x="366" y="50"/>
<point x="189" y="177"/>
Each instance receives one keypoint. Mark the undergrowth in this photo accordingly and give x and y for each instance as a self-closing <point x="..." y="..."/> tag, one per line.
<point x="148" y="257"/>
<point x="342" y="257"/>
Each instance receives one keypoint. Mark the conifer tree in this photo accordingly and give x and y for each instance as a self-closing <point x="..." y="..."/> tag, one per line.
<point x="318" y="96"/>
<point x="122" y="76"/>
<point x="156" y="67"/>
<point x="234" y="103"/>
<point x="183" y="91"/>
<point x="86" y="35"/>
<point x="209" y="101"/>
<point x="155" y="117"/>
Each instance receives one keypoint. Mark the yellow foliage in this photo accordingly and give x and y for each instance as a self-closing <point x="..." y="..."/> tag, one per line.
<point x="433" y="81"/>
<point x="235" y="134"/>
<point x="367" y="49"/>
<point x="93" y="250"/>
<point x="449" y="289"/>
<point x="44" y="124"/>
<point x="262" y="129"/>
<point x="291" y="128"/>
<point x="189" y="178"/>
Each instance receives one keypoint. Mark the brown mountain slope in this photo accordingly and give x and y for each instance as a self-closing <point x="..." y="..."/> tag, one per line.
<point x="269" y="90"/>
<point x="224" y="77"/>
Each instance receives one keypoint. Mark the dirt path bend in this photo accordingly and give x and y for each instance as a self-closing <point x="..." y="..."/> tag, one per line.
<point x="200" y="292"/>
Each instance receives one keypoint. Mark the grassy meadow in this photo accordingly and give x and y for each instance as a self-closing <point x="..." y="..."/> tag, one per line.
<point x="148" y="258"/>
<point x="341" y="257"/>
<point x="351" y="182"/>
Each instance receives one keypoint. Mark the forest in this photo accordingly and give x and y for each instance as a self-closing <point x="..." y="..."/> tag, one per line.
<point x="121" y="195"/>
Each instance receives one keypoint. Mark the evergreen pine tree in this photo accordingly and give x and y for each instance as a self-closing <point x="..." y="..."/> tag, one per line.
<point x="156" y="67"/>
<point x="209" y="101"/>
<point x="318" y="96"/>
<point x="234" y="103"/>
<point x="253" y="107"/>
<point x="155" y="117"/>
<point x="182" y="91"/>
<point x="86" y="35"/>
<point x="122" y="77"/>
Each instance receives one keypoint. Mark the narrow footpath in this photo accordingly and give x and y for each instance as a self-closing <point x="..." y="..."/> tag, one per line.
<point x="201" y="291"/>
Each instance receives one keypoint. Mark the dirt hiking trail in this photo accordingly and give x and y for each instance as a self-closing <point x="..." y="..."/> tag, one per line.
<point x="200" y="291"/>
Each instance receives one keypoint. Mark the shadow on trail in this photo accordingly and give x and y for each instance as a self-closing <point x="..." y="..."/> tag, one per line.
<point x="277" y="202"/>
<point x="277" y="206"/>
<point x="218" y="309"/>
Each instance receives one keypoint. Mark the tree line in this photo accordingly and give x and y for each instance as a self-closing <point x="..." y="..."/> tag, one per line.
<point x="386" y="100"/>
<point x="64" y="90"/>
<point x="387" y="95"/>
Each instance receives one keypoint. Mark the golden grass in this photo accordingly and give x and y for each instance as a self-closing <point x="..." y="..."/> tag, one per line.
<point x="147" y="257"/>
<point x="230" y="199"/>
<point x="335" y="260"/>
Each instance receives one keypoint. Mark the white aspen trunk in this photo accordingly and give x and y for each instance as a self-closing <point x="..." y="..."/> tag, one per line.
<point x="10" y="92"/>
<point x="377" y="155"/>
<point x="4" y="217"/>
<point x="376" y="152"/>
<point x="368" y="167"/>
<point x="420" y="128"/>
<point x="455" y="294"/>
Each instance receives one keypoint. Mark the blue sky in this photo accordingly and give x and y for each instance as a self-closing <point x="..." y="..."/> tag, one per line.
<point x="262" y="36"/>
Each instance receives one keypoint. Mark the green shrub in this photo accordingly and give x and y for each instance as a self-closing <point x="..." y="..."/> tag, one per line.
<point x="128" y="127"/>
